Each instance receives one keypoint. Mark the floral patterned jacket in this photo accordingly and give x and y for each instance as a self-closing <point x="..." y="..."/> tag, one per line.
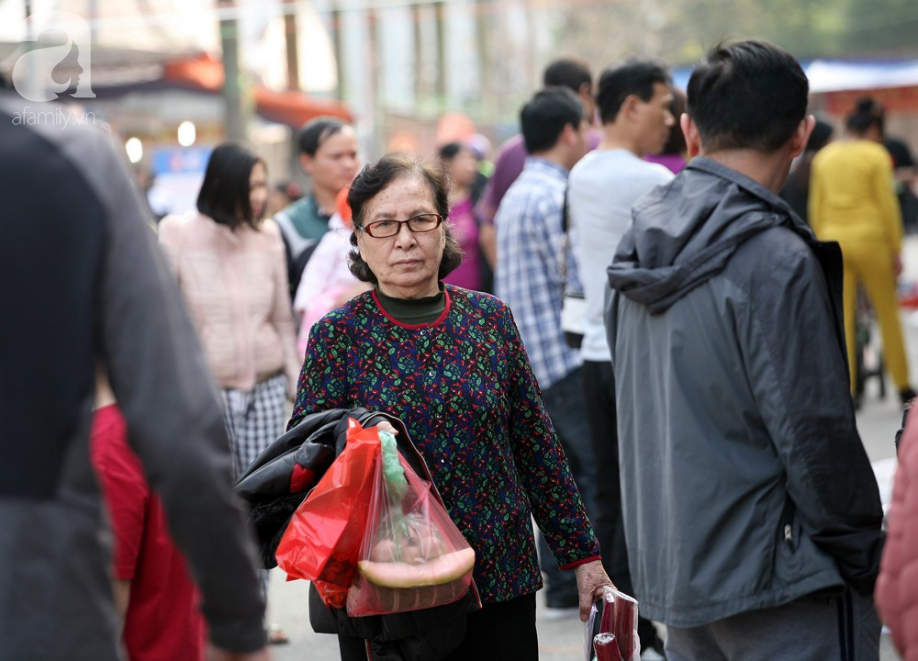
<point x="464" y="389"/>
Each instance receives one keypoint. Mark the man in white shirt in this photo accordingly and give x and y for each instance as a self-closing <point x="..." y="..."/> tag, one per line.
<point x="633" y="100"/>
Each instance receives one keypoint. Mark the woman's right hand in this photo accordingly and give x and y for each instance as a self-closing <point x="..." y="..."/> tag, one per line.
<point x="591" y="579"/>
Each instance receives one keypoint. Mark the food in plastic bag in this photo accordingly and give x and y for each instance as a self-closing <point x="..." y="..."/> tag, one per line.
<point x="322" y="540"/>
<point x="413" y="555"/>
<point x="614" y="613"/>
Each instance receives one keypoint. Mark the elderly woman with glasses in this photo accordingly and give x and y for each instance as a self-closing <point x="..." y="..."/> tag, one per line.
<point x="449" y="363"/>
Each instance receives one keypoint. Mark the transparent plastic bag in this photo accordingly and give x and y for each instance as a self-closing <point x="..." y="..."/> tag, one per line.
<point x="413" y="555"/>
<point x="611" y="633"/>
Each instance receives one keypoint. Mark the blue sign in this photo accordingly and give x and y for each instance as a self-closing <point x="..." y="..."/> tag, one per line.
<point x="180" y="160"/>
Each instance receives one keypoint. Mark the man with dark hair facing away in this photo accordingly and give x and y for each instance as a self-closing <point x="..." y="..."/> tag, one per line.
<point x="633" y="99"/>
<point x="752" y="515"/>
<point x="528" y="279"/>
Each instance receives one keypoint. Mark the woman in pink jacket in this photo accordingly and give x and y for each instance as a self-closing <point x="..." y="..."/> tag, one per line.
<point x="231" y="268"/>
<point x="897" y="586"/>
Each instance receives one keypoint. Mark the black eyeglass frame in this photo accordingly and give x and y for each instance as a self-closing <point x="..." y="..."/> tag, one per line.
<point x="366" y="228"/>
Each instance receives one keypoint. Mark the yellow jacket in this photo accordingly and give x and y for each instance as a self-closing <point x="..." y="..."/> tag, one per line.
<point x="852" y="194"/>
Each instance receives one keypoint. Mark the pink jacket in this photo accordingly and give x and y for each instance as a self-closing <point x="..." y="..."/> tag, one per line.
<point x="235" y="285"/>
<point x="897" y="587"/>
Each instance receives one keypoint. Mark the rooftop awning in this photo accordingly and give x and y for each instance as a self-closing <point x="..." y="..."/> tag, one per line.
<point x="205" y="73"/>
<point x="844" y="75"/>
<point x="119" y="71"/>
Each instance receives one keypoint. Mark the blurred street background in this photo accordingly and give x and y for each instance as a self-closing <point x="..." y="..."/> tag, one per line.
<point x="173" y="78"/>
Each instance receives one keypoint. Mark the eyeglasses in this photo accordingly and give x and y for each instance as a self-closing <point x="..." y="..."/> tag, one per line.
<point x="383" y="229"/>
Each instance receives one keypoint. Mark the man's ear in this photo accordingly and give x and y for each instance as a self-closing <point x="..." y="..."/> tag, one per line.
<point x="568" y="135"/>
<point x="802" y="135"/>
<point x="692" y="137"/>
<point x="629" y="105"/>
<point x="306" y="162"/>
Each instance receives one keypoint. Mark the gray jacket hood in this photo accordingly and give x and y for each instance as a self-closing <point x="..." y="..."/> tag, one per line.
<point x="667" y="251"/>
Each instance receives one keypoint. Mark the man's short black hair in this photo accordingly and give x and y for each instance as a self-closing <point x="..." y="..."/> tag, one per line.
<point x="617" y="83"/>
<point x="543" y="119"/>
<point x="747" y="95"/>
<point x="567" y="72"/>
<point x="224" y="194"/>
<point x="316" y="131"/>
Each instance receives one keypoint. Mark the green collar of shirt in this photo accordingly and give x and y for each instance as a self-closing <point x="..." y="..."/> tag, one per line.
<point x="413" y="311"/>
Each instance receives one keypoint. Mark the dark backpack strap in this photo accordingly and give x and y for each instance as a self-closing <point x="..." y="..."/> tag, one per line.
<point x="565" y="241"/>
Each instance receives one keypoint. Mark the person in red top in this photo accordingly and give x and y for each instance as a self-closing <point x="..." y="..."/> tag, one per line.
<point x="897" y="587"/>
<point x="153" y="589"/>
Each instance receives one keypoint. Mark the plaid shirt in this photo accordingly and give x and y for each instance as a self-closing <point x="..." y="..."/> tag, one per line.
<point x="527" y="277"/>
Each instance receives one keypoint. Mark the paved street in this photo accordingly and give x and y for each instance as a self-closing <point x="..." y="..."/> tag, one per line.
<point x="562" y="640"/>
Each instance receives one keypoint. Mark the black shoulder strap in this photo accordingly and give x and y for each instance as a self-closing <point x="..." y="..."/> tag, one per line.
<point x="565" y="240"/>
<point x="565" y="213"/>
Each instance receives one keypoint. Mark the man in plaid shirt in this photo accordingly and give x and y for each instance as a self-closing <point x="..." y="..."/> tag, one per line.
<point x="528" y="279"/>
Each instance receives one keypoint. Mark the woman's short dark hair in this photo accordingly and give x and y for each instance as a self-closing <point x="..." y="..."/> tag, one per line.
<point x="747" y="95"/>
<point x="224" y="195"/>
<point x="316" y="131"/>
<point x="374" y="179"/>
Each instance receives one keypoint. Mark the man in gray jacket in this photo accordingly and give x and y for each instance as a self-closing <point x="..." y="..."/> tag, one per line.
<point x="84" y="284"/>
<point x="752" y="515"/>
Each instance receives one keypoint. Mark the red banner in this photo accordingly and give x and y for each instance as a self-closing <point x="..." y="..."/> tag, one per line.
<point x="894" y="99"/>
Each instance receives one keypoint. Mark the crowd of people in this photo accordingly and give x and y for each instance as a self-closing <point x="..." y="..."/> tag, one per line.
<point x="696" y="447"/>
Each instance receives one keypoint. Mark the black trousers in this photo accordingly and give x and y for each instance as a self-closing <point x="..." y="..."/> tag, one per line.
<point x="599" y="395"/>
<point x="497" y="632"/>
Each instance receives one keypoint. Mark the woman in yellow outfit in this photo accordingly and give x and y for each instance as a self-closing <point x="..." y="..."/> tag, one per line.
<point x="853" y="202"/>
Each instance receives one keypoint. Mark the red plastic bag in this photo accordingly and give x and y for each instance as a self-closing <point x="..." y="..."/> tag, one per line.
<point x="322" y="540"/>
<point x="613" y="622"/>
<point x="413" y="555"/>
